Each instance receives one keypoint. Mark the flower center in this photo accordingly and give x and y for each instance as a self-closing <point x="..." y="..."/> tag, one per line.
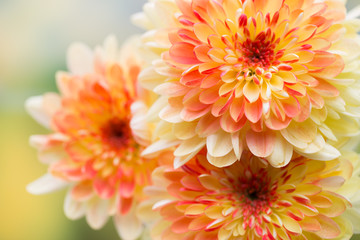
<point x="116" y="133"/>
<point x="257" y="53"/>
<point x="257" y="194"/>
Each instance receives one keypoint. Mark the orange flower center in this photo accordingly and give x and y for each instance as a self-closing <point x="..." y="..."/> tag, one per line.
<point x="257" y="53"/>
<point x="116" y="133"/>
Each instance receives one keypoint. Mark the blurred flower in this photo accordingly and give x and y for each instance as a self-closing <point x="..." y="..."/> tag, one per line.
<point x="99" y="132"/>
<point x="251" y="199"/>
<point x="266" y="76"/>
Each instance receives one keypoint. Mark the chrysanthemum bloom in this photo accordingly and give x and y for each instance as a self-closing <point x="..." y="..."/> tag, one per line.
<point x="266" y="76"/>
<point x="253" y="200"/>
<point x="99" y="131"/>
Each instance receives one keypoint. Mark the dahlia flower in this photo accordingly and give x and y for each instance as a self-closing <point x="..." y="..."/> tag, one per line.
<point x="99" y="131"/>
<point x="307" y="199"/>
<point x="271" y="77"/>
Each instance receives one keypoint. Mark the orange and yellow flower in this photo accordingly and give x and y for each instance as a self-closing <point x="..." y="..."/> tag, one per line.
<point x="99" y="130"/>
<point x="271" y="77"/>
<point x="251" y="199"/>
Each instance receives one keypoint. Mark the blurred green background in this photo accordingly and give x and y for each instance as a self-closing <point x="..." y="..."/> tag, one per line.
<point x="34" y="36"/>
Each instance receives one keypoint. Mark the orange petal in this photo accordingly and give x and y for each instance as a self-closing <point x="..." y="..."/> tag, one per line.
<point x="310" y="224"/>
<point x="221" y="105"/>
<point x="237" y="109"/>
<point x="253" y="111"/>
<point x="181" y="225"/>
<point x="201" y="52"/>
<point x="323" y="59"/>
<point x="182" y="52"/>
<point x="207" y="125"/>
<point x="192" y="78"/>
<point x="203" y="31"/>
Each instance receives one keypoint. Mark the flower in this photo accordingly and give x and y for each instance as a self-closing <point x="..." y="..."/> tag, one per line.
<point x="99" y="131"/>
<point x="307" y="199"/>
<point x="271" y="77"/>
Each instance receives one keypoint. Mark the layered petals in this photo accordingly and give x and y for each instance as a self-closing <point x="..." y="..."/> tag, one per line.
<point x="99" y="131"/>
<point x="253" y="68"/>
<point x="250" y="199"/>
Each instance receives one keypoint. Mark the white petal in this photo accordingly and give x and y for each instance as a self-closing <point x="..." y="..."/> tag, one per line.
<point x="293" y="140"/>
<point x="149" y="78"/>
<point x="128" y="226"/>
<point x="237" y="144"/>
<point x="35" y="107"/>
<point x="153" y="113"/>
<point x="80" y="59"/>
<point x="97" y="213"/>
<point x="138" y="107"/>
<point x="140" y="20"/>
<point x="179" y="161"/>
<point x="145" y="212"/>
<point x="158" y="146"/>
<point x="139" y="125"/>
<point x="282" y="153"/>
<point x="73" y="209"/>
<point x="354" y="13"/>
<point x="316" y="145"/>
<point x="189" y="146"/>
<point x="46" y="184"/>
<point x="223" y="161"/>
<point x="219" y="144"/>
<point x="111" y="49"/>
<point x="327" y="153"/>
<point x="171" y="114"/>
<point x="353" y="215"/>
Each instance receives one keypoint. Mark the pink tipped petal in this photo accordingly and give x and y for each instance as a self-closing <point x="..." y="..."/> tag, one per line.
<point x="103" y="188"/>
<point x="171" y="89"/>
<point x="253" y="111"/>
<point x="82" y="191"/>
<point x="291" y="107"/>
<point x="183" y="53"/>
<point x="261" y="144"/>
<point x="323" y="59"/>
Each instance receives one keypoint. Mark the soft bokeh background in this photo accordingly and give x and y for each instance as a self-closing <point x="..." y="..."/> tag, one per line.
<point x="34" y="36"/>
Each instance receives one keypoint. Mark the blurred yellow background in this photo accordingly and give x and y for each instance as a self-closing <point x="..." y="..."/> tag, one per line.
<point x="34" y="36"/>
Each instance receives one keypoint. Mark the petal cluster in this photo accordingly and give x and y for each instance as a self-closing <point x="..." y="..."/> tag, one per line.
<point x="253" y="200"/>
<point x="99" y="131"/>
<point x="255" y="75"/>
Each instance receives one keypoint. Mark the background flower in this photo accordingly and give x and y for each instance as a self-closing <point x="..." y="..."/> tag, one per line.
<point x="99" y="132"/>
<point x="270" y="77"/>
<point x="253" y="200"/>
